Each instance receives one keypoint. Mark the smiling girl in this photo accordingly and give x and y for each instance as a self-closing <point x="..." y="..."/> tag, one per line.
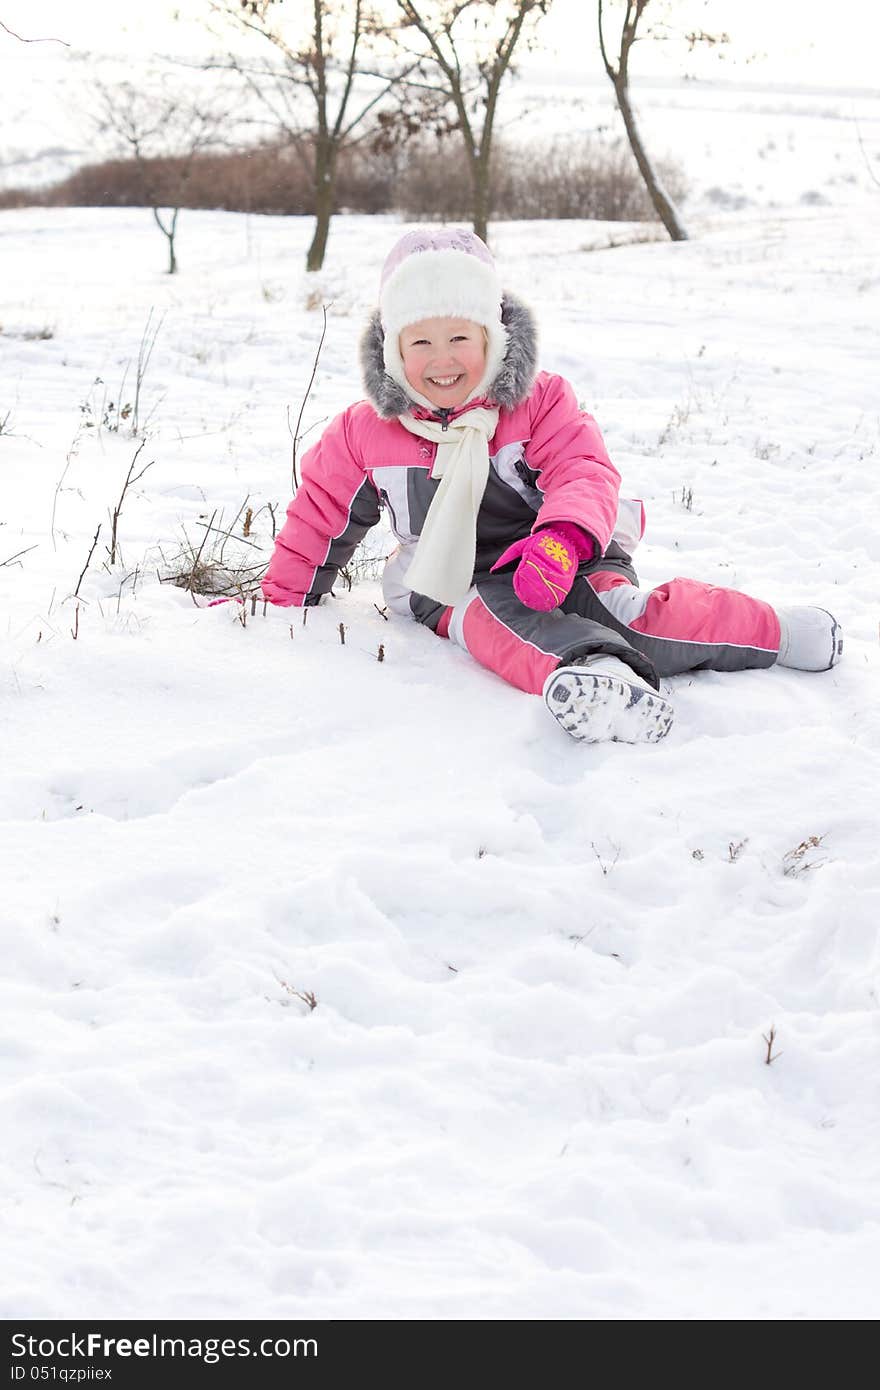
<point x="513" y="541"/>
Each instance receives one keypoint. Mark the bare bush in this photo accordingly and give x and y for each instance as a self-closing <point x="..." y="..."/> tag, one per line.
<point x="162" y="130"/>
<point x="18" y="198"/>
<point x="587" y="179"/>
<point x="221" y="563"/>
<point x="590" y="179"/>
<point x="267" y="178"/>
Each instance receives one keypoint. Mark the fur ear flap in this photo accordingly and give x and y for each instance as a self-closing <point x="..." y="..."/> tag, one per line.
<point x="512" y="382"/>
<point x="389" y="399"/>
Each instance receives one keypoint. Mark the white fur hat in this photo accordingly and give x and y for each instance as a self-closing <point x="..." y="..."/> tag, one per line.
<point x="440" y="272"/>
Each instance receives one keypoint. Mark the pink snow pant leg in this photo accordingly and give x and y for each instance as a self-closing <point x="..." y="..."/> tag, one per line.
<point x="524" y="646"/>
<point x="685" y="625"/>
<point x="681" y="626"/>
<point x="472" y="625"/>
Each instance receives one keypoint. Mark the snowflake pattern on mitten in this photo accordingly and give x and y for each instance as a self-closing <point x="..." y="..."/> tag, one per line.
<point x="547" y="565"/>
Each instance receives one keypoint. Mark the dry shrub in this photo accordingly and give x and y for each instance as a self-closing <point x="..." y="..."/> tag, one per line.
<point x="223" y="561"/>
<point x="434" y="185"/>
<point x="267" y="178"/>
<point x="425" y="180"/>
<point x="589" y="179"/>
<point x="17" y="198"/>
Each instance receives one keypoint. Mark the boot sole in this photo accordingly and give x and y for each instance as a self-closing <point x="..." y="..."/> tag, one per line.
<point x="601" y="709"/>
<point x="836" y="641"/>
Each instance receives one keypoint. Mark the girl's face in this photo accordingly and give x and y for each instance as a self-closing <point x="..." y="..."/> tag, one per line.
<point x="444" y="359"/>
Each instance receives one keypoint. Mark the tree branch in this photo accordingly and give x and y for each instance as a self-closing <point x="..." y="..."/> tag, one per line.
<point x="13" y="35"/>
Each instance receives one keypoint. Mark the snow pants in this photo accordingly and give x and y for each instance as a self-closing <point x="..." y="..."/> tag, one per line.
<point x="682" y="625"/>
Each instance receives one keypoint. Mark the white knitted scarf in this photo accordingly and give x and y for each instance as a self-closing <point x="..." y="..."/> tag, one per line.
<point x="443" y="567"/>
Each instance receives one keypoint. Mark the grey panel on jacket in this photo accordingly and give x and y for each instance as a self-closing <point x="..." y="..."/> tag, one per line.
<point x="363" y="513"/>
<point x="420" y="492"/>
<point x="510" y="465"/>
<point x="504" y="516"/>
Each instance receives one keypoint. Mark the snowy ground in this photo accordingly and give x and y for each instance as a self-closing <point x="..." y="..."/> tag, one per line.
<point x="534" y="1083"/>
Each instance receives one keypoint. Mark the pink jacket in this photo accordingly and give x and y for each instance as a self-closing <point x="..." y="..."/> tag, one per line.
<point x="547" y="464"/>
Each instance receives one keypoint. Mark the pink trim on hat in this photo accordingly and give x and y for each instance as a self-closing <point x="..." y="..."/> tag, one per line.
<point x="435" y="239"/>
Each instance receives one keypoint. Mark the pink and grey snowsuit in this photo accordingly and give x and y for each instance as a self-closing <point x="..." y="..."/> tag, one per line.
<point x="547" y="464"/>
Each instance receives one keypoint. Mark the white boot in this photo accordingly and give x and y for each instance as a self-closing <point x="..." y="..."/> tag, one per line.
<point x="810" y="639"/>
<point x="600" y="699"/>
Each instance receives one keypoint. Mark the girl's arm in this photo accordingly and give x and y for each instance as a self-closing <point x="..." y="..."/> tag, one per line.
<point x="331" y="513"/>
<point x="579" y="482"/>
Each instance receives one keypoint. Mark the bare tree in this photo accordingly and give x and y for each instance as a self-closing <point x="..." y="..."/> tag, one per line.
<point x="619" y="75"/>
<point x="164" y="131"/>
<point x="315" y="91"/>
<point x="469" y="45"/>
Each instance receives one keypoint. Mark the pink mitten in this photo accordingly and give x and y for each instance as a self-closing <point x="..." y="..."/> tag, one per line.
<point x="548" y="563"/>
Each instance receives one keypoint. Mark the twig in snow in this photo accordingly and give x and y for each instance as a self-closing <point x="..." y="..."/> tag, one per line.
<point x="606" y="868"/>
<point x="201" y="548"/>
<point x="88" y="561"/>
<point x="307" y="996"/>
<point x="117" y="510"/>
<point x="18" y="553"/>
<point x="145" y="352"/>
<point x="71" y="455"/>
<point x="873" y="177"/>
<point x="770" y="1039"/>
<point x="228" y="535"/>
<point x="794" y="862"/>
<point x="295" y="434"/>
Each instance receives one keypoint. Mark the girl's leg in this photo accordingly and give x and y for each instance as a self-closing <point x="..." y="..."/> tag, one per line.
<point x="594" y="682"/>
<point x="682" y="625"/>
<point x="524" y="647"/>
<point x="598" y="658"/>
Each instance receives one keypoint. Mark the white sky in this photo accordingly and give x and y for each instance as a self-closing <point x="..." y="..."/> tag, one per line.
<point x="816" y="53"/>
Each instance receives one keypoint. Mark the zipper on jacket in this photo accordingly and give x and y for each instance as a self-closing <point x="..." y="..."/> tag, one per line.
<point x="442" y="413"/>
<point x="385" y="498"/>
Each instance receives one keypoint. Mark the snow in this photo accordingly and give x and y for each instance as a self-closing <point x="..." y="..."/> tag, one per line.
<point x="534" y="1084"/>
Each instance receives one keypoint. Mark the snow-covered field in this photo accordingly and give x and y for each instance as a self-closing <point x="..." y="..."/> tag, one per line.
<point x="534" y="1083"/>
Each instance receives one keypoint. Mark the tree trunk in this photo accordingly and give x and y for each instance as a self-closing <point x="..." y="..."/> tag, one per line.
<point x="325" y="192"/>
<point x="663" y="205"/>
<point x="172" y="255"/>
<point x="481" y="209"/>
<point x="169" y="234"/>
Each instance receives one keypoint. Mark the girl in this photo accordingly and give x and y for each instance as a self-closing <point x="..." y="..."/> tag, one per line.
<point x="513" y="541"/>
